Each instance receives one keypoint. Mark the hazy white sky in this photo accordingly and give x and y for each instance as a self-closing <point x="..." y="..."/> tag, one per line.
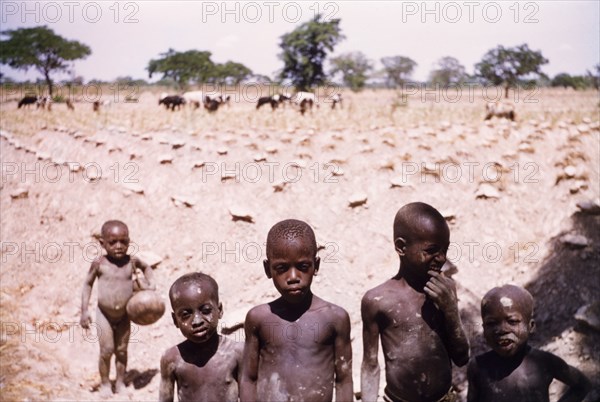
<point x="125" y="35"/>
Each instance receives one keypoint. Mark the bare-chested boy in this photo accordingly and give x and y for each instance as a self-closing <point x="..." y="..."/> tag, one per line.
<point x="297" y="346"/>
<point x="206" y="366"/>
<point x="114" y="272"/>
<point x="416" y="315"/>
<point x="513" y="370"/>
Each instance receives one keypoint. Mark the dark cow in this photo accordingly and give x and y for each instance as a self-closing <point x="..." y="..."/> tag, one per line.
<point x="274" y="101"/>
<point x="27" y="101"/>
<point x="305" y="100"/>
<point x="172" y="101"/>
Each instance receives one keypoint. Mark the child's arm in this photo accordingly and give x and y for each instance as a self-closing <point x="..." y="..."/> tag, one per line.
<point x="148" y="283"/>
<point x="166" y="390"/>
<point x="87" y="292"/>
<point x="442" y="291"/>
<point x="579" y="385"/>
<point x="369" y="370"/>
<point x="249" y="374"/>
<point x="343" y="360"/>
<point x="472" y="393"/>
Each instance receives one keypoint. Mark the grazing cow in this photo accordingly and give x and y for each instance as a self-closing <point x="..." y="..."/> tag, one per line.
<point x="172" y="101"/>
<point x="211" y="104"/>
<point x="194" y="98"/>
<point x="305" y="100"/>
<point x="27" y="101"/>
<point x="70" y="105"/>
<point x="274" y="101"/>
<point x="500" y="110"/>
<point x="44" y="102"/>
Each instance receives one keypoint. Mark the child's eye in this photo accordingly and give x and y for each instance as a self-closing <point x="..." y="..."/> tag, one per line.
<point x="206" y="310"/>
<point x="513" y="322"/>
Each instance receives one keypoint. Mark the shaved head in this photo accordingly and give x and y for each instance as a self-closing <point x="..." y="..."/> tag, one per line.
<point x="108" y="225"/>
<point x="509" y="296"/>
<point x="413" y="219"/>
<point x="291" y="230"/>
<point x="199" y="279"/>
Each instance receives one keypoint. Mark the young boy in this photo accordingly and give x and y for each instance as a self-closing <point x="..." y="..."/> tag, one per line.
<point x="205" y="367"/>
<point x="513" y="370"/>
<point x="297" y="346"/>
<point x="416" y="315"/>
<point x="114" y="272"/>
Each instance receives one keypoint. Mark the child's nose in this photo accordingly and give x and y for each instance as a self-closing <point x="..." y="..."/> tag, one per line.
<point x="197" y="319"/>
<point x="293" y="276"/>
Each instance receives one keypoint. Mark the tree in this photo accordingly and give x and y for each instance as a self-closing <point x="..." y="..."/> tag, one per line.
<point x="353" y="67"/>
<point x="565" y="80"/>
<point x="41" y="49"/>
<point x="183" y="66"/>
<point x="594" y="77"/>
<point x="305" y="50"/>
<point x="398" y="69"/>
<point x="448" y="71"/>
<point x="231" y="73"/>
<point x="506" y="66"/>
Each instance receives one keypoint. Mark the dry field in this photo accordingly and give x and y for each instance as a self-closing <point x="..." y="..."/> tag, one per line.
<point x="509" y="191"/>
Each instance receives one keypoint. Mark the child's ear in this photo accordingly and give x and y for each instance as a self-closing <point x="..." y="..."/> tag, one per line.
<point x="267" y="269"/>
<point x="317" y="264"/>
<point x="220" y="310"/>
<point x="174" y="320"/>
<point x="531" y="326"/>
<point x="400" y="244"/>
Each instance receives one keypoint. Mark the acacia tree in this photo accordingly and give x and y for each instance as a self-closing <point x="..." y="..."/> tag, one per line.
<point x="398" y="69"/>
<point x="41" y="49"/>
<point x="506" y="66"/>
<point x="182" y="67"/>
<point x="231" y="73"/>
<point x="353" y="67"/>
<point x="305" y="50"/>
<point x="448" y="71"/>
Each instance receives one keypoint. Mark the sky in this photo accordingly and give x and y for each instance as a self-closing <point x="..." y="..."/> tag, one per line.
<point x="124" y="36"/>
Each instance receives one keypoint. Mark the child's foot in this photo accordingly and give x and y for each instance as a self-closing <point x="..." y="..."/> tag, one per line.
<point x="119" y="387"/>
<point x="105" y="390"/>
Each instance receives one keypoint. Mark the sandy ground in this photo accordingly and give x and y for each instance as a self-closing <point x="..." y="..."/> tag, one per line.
<point x="501" y="185"/>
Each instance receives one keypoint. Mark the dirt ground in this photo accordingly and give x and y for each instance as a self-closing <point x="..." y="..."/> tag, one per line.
<point x="508" y="190"/>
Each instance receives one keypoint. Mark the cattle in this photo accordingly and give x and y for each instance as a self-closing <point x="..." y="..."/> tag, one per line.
<point x="274" y="101"/>
<point x="44" y="102"/>
<point x="70" y="105"/>
<point x="305" y="100"/>
<point x="172" y="102"/>
<point x="27" y="101"/>
<point x="335" y="99"/>
<point x="212" y="104"/>
<point x="500" y="110"/>
<point x="97" y="104"/>
<point x="194" y="98"/>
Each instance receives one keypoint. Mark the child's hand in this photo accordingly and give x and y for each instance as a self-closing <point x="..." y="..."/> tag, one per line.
<point x="442" y="291"/>
<point x="85" y="320"/>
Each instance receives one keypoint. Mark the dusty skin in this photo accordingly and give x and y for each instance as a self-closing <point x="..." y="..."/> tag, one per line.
<point x="513" y="370"/>
<point x="114" y="273"/>
<point x="416" y="315"/>
<point x="360" y="138"/>
<point x="206" y="366"/>
<point x="298" y="346"/>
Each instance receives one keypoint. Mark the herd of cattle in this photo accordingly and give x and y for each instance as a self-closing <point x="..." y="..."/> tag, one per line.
<point x="303" y="101"/>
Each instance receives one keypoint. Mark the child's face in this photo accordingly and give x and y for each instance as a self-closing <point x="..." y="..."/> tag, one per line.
<point x="196" y="312"/>
<point x="426" y="250"/>
<point x="292" y="264"/>
<point x="505" y="327"/>
<point x="115" y="241"/>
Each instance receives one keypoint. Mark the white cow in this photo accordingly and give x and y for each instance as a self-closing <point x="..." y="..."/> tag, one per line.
<point x="305" y="100"/>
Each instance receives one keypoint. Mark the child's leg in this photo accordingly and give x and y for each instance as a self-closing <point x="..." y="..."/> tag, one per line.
<point x="107" y="348"/>
<point x="122" y="332"/>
